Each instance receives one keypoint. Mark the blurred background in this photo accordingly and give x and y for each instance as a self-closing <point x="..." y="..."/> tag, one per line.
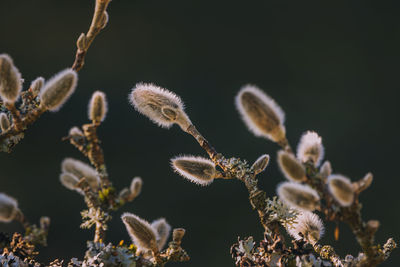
<point x="332" y="66"/>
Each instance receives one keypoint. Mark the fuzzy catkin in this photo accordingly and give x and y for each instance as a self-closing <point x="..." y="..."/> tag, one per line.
<point x="58" y="89"/>
<point x="196" y="169"/>
<point x="260" y="113"/>
<point x="4" y="122"/>
<point x="141" y="232"/>
<point x="160" y="105"/>
<point x="309" y="225"/>
<point x="8" y="208"/>
<point x="10" y="80"/>
<point x="135" y="187"/>
<point x="80" y="170"/>
<point x="310" y="148"/>
<point x="69" y="180"/>
<point x="341" y="189"/>
<point x="291" y="167"/>
<point x="260" y="164"/>
<point x="37" y="85"/>
<point x="298" y="196"/>
<point x="163" y="230"/>
<point x="97" y="107"/>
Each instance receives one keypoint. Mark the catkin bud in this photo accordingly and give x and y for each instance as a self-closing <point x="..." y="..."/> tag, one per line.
<point x="308" y="226"/>
<point x="58" y="89"/>
<point x="97" y="107"/>
<point x="104" y="20"/>
<point x="163" y="230"/>
<point x="140" y="231"/>
<point x="196" y="169"/>
<point x="341" y="189"/>
<point x="159" y="105"/>
<point x="4" y="122"/>
<point x="326" y="169"/>
<point x="37" y="85"/>
<point x="81" y="42"/>
<point x="136" y="187"/>
<point x="291" y="167"/>
<point x="8" y="208"/>
<point x="260" y="164"/>
<point x="69" y="181"/>
<point x="10" y="80"/>
<point x="178" y="234"/>
<point x="80" y="170"/>
<point x="260" y="113"/>
<point x="299" y="196"/>
<point x="310" y="148"/>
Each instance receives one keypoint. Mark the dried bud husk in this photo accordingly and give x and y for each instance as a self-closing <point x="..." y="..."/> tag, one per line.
<point x="260" y="164"/>
<point x="10" y="80"/>
<point x="8" y="208"/>
<point x="308" y="226"/>
<point x="159" y="105"/>
<point x="98" y="107"/>
<point x="299" y="196"/>
<point x="136" y="187"/>
<point x="341" y="189"/>
<point x="37" y="85"/>
<point x="261" y="114"/>
<point x="196" y="169"/>
<point x="70" y="181"/>
<point x="178" y="234"/>
<point x="326" y="169"/>
<point x="4" y="122"/>
<point x="140" y="231"/>
<point x="291" y="167"/>
<point x="58" y="89"/>
<point x="310" y="148"/>
<point x="163" y="230"/>
<point x="80" y="170"/>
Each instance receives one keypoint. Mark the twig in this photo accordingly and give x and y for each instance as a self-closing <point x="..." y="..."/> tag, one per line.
<point x="99" y="21"/>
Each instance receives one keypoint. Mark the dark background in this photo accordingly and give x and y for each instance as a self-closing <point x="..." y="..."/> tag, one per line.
<point x="332" y="66"/>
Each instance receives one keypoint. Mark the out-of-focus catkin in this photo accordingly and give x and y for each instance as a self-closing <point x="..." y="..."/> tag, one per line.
<point x="159" y="105"/>
<point x="10" y="80"/>
<point x="163" y="230"/>
<point x="261" y="114"/>
<point x="58" y="89"/>
<point x="298" y="196"/>
<point x="4" y="122"/>
<point x="135" y="187"/>
<point x="141" y="232"/>
<point x="69" y="180"/>
<point x="196" y="169"/>
<point x="291" y="167"/>
<point x="310" y="148"/>
<point x="97" y="107"/>
<point x="8" y="208"/>
<point x="341" y="189"/>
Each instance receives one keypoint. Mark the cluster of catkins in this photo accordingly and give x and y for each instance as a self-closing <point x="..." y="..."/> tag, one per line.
<point x="265" y="119"/>
<point x="52" y="94"/>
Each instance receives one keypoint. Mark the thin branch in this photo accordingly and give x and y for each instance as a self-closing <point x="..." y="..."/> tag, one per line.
<point x="99" y="21"/>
